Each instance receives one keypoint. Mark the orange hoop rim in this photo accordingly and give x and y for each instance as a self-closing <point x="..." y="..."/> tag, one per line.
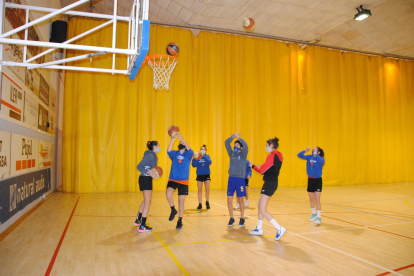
<point x="159" y="56"/>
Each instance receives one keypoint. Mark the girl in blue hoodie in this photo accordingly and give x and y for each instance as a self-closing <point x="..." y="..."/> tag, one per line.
<point x="203" y="175"/>
<point x="314" y="164"/>
<point x="148" y="162"/>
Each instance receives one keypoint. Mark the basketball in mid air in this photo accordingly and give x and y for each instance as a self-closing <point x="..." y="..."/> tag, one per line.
<point x="172" y="49"/>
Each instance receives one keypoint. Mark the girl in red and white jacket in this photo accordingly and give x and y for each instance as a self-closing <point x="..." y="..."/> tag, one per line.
<point x="270" y="170"/>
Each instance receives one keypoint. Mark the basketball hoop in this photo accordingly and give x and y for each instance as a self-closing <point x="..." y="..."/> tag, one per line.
<point x="162" y="65"/>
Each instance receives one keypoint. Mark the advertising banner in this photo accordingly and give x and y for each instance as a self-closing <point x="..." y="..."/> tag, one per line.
<point x="43" y="118"/>
<point x="45" y="154"/>
<point x="31" y="106"/>
<point x="5" y="138"/>
<point x="44" y="90"/>
<point x="24" y="154"/>
<point x="17" y="192"/>
<point x="11" y="99"/>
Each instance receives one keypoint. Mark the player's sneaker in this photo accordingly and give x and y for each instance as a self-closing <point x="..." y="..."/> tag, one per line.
<point x="237" y="206"/>
<point x="280" y="233"/>
<point x="318" y="220"/>
<point x="231" y="222"/>
<point x="179" y="224"/>
<point x="207" y="205"/>
<point x="313" y="217"/>
<point x="172" y="215"/>
<point x="241" y="222"/>
<point x="256" y="232"/>
<point x="246" y="203"/>
<point x="137" y="222"/>
<point x="199" y="206"/>
<point x="144" y="228"/>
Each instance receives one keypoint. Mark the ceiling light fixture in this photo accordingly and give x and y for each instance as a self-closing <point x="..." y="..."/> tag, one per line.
<point x="362" y="13"/>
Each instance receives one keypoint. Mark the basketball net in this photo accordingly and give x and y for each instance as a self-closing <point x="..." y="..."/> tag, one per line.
<point x="162" y="65"/>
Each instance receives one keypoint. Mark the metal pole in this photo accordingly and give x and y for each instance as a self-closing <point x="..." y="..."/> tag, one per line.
<point x="2" y="17"/>
<point x="72" y="39"/>
<point x="72" y="68"/>
<point x="76" y="13"/>
<point x="114" y="33"/>
<point x="25" y="36"/>
<point x="60" y="61"/>
<point x="43" y="18"/>
<point x="67" y="46"/>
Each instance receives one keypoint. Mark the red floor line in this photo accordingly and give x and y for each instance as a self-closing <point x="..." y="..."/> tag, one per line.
<point x="391" y="233"/>
<point x="371" y="228"/>
<point x="10" y="229"/>
<point x="412" y="216"/>
<point x="344" y="221"/>
<point x="52" y="261"/>
<point x="398" y="269"/>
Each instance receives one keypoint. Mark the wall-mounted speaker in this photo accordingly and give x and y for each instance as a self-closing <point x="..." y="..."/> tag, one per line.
<point x="59" y="30"/>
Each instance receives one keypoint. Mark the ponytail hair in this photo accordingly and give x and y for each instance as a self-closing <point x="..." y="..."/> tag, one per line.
<point x="151" y="144"/>
<point x="274" y="142"/>
<point x="204" y="146"/>
<point x="321" y="153"/>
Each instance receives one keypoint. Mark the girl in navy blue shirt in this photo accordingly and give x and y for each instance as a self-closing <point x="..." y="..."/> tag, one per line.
<point x="314" y="164"/>
<point x="203" y="175"/>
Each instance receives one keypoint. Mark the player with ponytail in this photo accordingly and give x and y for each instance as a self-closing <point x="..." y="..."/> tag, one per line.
<point x="148" y="162"/>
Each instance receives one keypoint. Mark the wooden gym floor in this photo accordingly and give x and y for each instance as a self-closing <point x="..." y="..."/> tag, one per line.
<point x="365" y="230"/>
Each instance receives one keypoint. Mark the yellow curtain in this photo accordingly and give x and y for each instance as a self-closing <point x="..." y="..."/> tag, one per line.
<point x="358" y="108"/>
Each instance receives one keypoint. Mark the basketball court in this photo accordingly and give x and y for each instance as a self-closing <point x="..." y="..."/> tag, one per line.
<point x="88" y="234"/>
<point x="78" y="112"/>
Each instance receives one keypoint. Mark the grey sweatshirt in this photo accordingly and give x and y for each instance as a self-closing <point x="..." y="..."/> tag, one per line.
<point x="148" y="162"/>
<point x="237" y="159"/>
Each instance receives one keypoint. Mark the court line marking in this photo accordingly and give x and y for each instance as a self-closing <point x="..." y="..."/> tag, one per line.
<point x="197" y="215"/>
<point x="52" y="261"/>
<point x="292" y="234"/>
<point x="20" y="220"/>
<point x="370" y="227"/>
<point x="407" y="201"/>
<point x="327" y="246"/>
<point x="189" y="243"/>
<point x="177" y="262"/>
<point x="397" y="269"/>
<point x="401" y="214"/>
<point x="333" y="205"/>
<point x="356" y="201"/>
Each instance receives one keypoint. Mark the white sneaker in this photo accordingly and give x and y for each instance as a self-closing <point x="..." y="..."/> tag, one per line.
<point x="246" y="203"/>
<point x="280" y="233"/>
<point x="256" y="232"/>
<point x="237" y="206"/>
<point x="313" y="217"/>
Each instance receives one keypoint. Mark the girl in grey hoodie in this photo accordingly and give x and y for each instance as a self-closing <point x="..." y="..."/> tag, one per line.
<point x="148" y="162"/>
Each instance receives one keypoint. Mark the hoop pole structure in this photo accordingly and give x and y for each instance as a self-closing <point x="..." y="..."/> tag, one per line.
<point x="70" y="68"/>
<point x="114" y="33"/>
<point x="72" y="39"/>
<point x="145" y="10"/>
<point x="135" y="34"/>
<point x="25" y="36"/>
<point x="66" y="46"/>
<point x="144" y="48"/>
<point x="77" y="13"/>
<point x="2" y="13"/>
<point x="60" y="61"/>
<point x="43" y="18"/>
<point x="129" y="37"/>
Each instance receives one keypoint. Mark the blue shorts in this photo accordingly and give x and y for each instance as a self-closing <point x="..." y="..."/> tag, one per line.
<point x="236" y="185"/>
